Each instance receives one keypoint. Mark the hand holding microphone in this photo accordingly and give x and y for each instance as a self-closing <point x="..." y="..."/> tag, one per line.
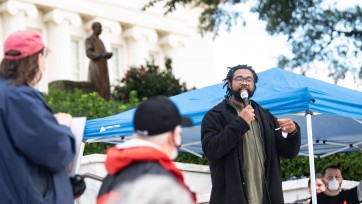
<point x="248" y="112"/>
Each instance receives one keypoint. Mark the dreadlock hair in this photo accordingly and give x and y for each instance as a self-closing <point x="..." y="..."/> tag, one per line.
<point x="230" y="75"/>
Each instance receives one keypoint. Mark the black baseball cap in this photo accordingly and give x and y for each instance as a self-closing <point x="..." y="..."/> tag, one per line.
<point x="158" y="115"/>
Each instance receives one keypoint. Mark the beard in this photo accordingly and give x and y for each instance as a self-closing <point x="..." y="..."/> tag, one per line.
<point x="236" y="94"/>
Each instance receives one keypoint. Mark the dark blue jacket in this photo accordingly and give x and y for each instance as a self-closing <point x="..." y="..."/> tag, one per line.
<point x="34" y="149"/>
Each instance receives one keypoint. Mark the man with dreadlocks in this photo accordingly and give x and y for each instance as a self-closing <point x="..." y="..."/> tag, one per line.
<point x="243" y="143"/>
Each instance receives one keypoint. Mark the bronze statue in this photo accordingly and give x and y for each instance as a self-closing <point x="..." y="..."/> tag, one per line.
<point x="98" y="69"/>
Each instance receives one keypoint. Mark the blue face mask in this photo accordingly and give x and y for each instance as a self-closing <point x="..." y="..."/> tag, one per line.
<point x="333" y="184"/>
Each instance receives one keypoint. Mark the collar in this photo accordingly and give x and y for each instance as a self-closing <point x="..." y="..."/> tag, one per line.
<point x="137" y="142"/>
<point x="225" y="105"/>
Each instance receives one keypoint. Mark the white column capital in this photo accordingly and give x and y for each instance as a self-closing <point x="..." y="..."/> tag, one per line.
<point x="60" y="17"/>
<point x="113" y="26"/>
<point x="16" y="7"/>
<point x="138" y="34"/>
<point x="172" y="41"/>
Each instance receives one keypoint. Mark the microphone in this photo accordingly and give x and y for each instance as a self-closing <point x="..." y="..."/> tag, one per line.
<point x="245" y="96"/>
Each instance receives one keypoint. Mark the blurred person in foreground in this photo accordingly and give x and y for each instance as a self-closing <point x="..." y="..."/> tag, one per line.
<point x="36" y="146"/>
<point x="152" y="188"/>
<point x="157" y="125"/>
<point x="244" y="142"/>
<point x="332" y="176"/>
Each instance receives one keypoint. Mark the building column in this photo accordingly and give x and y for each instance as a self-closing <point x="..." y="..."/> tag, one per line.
<point x="138" y="40"/>
<point x="14" y="17"/>
<point x="172" y="45"/>
<point x="59" y="40"/>
<point x="14" y="14"/>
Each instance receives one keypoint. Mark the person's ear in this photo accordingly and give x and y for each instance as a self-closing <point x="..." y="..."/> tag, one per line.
<point x="40" y="56"/>
<point x="41" y="60"/>
<point x="177" y="136"/>
<point x="324" y="181"/>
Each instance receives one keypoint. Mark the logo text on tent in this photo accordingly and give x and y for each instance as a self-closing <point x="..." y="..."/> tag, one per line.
<point x="106" y="128"/>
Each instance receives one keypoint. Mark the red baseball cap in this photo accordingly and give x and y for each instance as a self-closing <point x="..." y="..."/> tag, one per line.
<point x="26" y="42"/>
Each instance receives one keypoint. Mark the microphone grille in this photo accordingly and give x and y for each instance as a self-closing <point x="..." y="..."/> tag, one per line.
<point x="244" y="94"/>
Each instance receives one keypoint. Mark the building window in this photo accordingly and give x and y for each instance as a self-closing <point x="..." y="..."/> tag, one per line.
<point x="115" y="66"/>
<point x="76" y="60"/>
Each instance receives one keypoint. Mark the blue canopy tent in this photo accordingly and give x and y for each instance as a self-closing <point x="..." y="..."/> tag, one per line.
<point x="280" y="91"/>
<point x="336" y="113"/>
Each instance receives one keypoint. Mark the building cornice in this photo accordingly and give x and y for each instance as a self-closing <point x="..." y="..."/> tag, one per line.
<point x="59" y="16"/>
<point x="172" y="41"/>
<point x="139" y="34"/>
<point x="16" y="7"/>
<point x="123" y="12"/>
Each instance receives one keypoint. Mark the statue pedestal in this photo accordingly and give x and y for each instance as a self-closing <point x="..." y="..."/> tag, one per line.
<point x="67" y="85"/>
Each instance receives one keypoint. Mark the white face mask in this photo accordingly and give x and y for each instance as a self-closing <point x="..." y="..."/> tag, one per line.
<point x="333" y="184"/>
<point x="175" y="139"/>
<point x="174" y="154"/>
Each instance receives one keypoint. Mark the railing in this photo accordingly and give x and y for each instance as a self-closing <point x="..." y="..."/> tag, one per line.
<point x="93" y="176"/>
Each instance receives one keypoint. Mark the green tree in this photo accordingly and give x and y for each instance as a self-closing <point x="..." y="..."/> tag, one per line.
<point x="317" y="32"/>
<point x="149" y="81"/>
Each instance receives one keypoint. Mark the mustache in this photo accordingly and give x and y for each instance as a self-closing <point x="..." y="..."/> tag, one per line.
<point x="236" y="92"/>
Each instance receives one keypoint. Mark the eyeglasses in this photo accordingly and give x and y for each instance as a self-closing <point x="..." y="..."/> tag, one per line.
<point x="240" y="80"/>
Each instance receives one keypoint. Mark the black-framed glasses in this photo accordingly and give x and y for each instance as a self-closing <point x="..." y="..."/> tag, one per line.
<point x="240" y="79"/>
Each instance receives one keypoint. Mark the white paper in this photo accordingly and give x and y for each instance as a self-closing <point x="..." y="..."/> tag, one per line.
<point x="77" y="128"/>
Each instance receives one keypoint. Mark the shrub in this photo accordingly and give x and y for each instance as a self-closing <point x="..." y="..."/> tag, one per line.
<point x="191" y="159"/>
<point x="149" y="81"/>
<point x="299" y="168"/>
<point x="349" y="163"/>
<point x="90" y="105"/>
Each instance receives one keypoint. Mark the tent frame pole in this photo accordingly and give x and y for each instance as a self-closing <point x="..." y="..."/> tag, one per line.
<point x="308" y="116"/>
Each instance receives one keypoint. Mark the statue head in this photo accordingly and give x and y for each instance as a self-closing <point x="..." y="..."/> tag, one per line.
<point x="97" y="28"/>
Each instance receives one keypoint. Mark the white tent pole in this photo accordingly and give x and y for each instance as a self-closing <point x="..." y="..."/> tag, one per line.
<point x="308" y="116"/>
<point x="80" y="155"/>
<point x="190" y="151"/>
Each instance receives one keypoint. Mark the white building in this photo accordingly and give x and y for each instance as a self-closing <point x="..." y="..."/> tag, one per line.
<point x="133" y="36"/>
